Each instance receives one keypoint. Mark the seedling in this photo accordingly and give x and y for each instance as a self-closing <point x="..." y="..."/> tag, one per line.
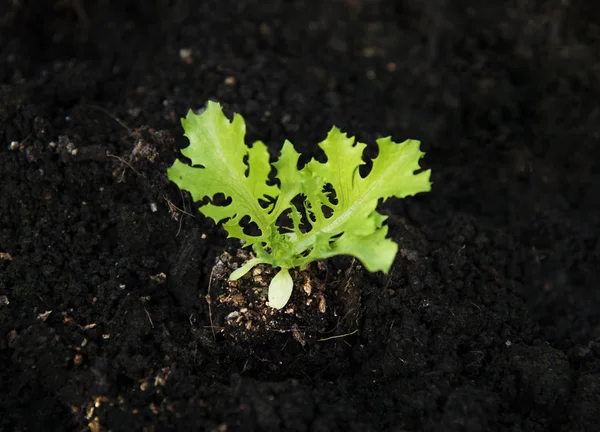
<point x="316" y="212"/>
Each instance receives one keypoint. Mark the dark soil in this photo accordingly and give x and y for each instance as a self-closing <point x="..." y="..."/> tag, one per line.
<point x="490" y="317"/>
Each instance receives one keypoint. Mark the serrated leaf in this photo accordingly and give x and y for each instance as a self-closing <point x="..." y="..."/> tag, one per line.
<point x="290" y="178"/>
<point x="355" y="228"/>
<point x="217" y="151"/>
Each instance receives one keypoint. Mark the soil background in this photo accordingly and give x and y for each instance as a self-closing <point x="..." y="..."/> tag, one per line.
<point x="490" y="317"/>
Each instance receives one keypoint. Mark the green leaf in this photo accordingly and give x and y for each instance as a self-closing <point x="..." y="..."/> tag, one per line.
<point x="291" y="179"/>
<point x="280" y="289"/>
<point x="355" y="227"/>
<point x="238" y="273"/>
<point x="217" y="152"/>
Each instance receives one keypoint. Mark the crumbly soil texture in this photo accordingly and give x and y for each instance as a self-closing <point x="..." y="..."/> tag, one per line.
<point x="116" y="313"/>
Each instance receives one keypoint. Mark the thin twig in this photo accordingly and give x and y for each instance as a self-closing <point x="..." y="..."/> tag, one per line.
<point x="180" y="220"/>
<point x="180" y="210"/>
<point x="26" y="138"/>
<point x="123" y="125"/>
<point x="149" y="317"/>
<point x="209" y="301"/>
<point x="173" y="209"/>
<point x="123" y="161"/>
<point x="337" y="337"/>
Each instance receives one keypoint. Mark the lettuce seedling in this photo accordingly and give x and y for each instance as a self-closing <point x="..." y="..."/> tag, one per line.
<point x="334" y="209"/>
